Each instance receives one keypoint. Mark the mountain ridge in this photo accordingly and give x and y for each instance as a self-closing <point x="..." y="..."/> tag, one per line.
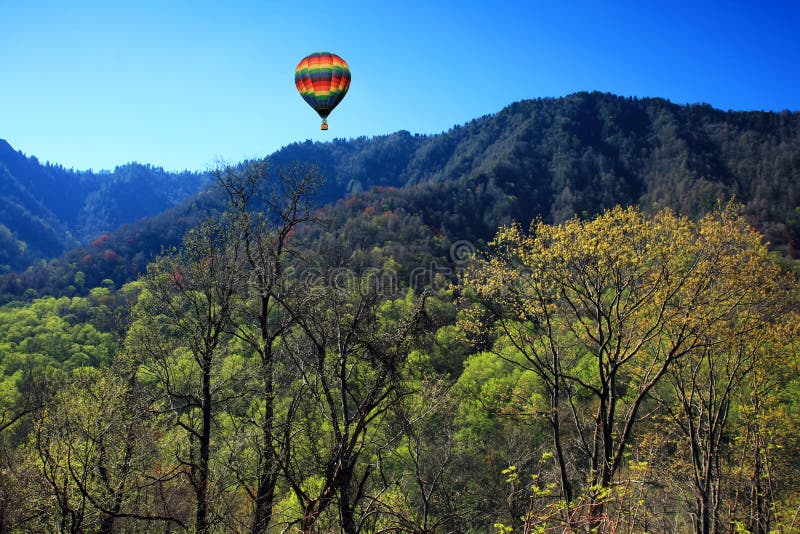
<point x="551" y="158"/>
<point x="50" y="209"/>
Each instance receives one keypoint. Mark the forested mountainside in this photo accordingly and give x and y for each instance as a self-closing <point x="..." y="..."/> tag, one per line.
<point x="556" y="158"/>
<point x="46" y="209"/>
<point x="382" y="352"/>
<point x="548" y="158"/>
<point x="628" y="372"/>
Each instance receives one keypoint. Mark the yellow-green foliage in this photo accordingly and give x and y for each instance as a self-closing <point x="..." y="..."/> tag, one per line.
<point x="603" y="312"/>
<point x="55" y="331"/>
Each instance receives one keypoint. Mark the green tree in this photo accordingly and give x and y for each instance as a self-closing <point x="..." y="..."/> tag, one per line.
<point x="96" y="446"/>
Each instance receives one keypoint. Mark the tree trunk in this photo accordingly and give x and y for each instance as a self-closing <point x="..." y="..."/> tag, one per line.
<point x="107" y="525"/>
<point x="703" y="525"/>
<point x="265" y="498"/>
<point x="201" y="519"/>
<point x="757" y="514"/>
<point x="346" y="512"/>
<point x="267" y="479"/>
<point x="265" y="495"/>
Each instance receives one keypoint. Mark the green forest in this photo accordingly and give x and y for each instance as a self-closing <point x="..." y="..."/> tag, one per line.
<point x="576" y="315"/>
<point x="628" y="372"/>
<point x="552" y="158"/>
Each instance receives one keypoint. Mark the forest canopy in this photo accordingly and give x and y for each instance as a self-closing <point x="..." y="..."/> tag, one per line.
<point x="633" y="370"/>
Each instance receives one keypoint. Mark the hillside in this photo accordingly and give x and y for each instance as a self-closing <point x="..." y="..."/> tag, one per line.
<point x="46" y="210"/>
<point x="577" y="155"/>
<point x="548" y="158"/>
<point x="350" y="366"/>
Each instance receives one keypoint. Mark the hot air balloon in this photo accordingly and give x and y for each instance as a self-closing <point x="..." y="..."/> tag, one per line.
<point x="322" y="79"/>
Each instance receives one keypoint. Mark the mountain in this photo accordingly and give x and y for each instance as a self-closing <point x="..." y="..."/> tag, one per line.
<point x="577" y="155"/>
<point x="46" y="210"/>
<point x="553" y="158"/>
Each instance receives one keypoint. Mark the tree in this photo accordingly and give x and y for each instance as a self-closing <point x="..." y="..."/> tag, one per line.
<point x="268" y="211"/>
<point x="182" y="334"/>
<point x="423" y="493"/>
<point x="24" y="392"/>
<point x="763" y="465"/>
<point x="746" y="298"/>
<point x="600" y="311"/>
<point x="348" y="350"/>
<point x="98" y="452"/>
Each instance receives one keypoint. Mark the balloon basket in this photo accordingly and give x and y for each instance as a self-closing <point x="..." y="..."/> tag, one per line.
<point x="324" y="125"/>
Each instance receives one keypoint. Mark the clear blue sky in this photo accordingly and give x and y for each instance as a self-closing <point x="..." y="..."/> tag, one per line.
<point x="182" y="84"/>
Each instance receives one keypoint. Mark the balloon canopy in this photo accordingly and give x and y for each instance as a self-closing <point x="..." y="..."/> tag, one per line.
<point x="322" y="79"/>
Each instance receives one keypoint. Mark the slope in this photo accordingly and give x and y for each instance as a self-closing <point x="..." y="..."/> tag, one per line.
<point x="48" y="209"/>
<point x="548" y="158"/>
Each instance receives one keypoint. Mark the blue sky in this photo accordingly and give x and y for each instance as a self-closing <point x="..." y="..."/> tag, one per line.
<point x="184" y="84"/>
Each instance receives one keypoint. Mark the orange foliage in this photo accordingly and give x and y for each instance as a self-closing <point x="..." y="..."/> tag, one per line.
<point x="101" y="241"/>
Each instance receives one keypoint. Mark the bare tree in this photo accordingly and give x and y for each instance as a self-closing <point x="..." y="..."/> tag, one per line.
<point x="182" y="334"/>
<point x="348" y="356"/>
<point x="268" y="209"/>
<point x="420" y="472"/>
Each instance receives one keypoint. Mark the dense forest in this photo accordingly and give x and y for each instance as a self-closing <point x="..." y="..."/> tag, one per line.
<point x="549" y="158"/>
<point x="578" y="314"/>
<point x="46" y="209"/>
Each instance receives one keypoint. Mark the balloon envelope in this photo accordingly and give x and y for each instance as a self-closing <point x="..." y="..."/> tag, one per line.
<point x="322" y="79"/>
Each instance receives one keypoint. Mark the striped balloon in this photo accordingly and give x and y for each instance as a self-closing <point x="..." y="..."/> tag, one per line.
<point x="322" y="79"/>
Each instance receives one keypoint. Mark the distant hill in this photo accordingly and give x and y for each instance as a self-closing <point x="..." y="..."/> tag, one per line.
<point x="46" y="210"/>
<point x="552" y="158"/>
